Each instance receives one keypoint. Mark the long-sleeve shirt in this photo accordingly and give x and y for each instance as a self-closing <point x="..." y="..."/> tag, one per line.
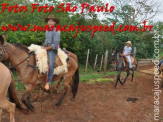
<point x="52" y="38"/>
<point x="127" y="50"/>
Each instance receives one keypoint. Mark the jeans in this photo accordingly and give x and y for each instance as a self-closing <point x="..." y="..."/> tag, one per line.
<point x="129" y="60"/>
<point x="51" y="56"/>
<point x="160" y="63"/>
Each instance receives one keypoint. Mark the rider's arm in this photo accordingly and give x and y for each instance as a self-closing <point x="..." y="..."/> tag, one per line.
<point x="56" y="40"/>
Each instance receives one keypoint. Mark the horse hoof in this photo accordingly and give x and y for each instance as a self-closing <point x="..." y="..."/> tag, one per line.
<point x="58" y="104"/>
<point x="25" y="111"/>
<point x="115" y="86"/>
<point x="73" y="99"/>
<point x="31" y="108"/>
<point x="56" y="91"/>
<point x="121" y="83"/>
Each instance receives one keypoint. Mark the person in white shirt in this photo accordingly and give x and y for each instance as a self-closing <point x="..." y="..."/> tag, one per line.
<point x="127" y="51"/>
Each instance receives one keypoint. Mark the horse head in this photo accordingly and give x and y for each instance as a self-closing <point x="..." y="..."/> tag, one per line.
<point x="3" y="49"/>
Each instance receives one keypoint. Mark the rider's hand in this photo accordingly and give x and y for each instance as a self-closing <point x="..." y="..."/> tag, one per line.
<point x="43" y="48"/>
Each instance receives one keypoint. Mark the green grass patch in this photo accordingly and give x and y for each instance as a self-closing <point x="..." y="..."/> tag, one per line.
<point x="97" y="77"/>
<point x="161" y="118"/>
<point x="161" y="53"/>
<point x="90" y="77"/>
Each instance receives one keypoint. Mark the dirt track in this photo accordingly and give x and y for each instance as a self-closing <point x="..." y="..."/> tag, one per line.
<point x="98" y="103"/>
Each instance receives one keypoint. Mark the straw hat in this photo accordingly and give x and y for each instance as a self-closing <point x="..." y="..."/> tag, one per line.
<point x="51" y="16"/>
<point x="129" y="42"/>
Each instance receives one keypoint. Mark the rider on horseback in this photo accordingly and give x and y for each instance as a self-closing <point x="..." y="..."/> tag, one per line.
<point x="160" y="63"/>
<point x="127" y="51"/>
<point x="51" y="45"/>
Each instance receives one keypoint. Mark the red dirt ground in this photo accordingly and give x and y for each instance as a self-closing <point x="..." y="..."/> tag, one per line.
<point x="98" y="103"/>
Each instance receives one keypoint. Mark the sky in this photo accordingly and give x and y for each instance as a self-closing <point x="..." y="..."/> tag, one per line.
<point x="159" y="16"/>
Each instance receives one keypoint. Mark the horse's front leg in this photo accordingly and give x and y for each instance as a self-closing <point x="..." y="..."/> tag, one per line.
<point x="58" y="85"/>
<point x="37" y="95"/>
<point x="66" y="84"/>
<point x="0" y="114"/>
<point x="26" y="98"/>
<point x="132" y="75"/>
<point x="128" y="72"/>
<point x="118" y="79"/>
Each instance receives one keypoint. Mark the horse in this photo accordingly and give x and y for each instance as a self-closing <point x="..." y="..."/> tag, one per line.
<point x="113" y="59"/>
<point x="161" y="71"/>
<point x="24" y="62"/>
<point x="121" y="67"/>
<point x="7" y="84"/>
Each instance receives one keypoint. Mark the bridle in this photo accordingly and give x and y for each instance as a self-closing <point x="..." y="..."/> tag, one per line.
<point x="3" y="51"/>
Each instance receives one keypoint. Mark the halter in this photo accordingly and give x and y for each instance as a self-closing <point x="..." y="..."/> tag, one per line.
<point x="3" y="51"/>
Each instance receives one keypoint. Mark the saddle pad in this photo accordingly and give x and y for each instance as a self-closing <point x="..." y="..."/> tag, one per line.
<point x="42" y="59"/>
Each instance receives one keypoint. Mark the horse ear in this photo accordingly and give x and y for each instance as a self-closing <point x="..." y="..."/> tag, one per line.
<point x="1" y="40"/>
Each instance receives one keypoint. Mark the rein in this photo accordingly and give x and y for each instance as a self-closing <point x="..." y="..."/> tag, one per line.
<point x="29" y="54"/>
<point x="3" y="52"/>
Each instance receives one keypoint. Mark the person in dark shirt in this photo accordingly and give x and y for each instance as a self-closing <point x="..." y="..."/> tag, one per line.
<point x="52" y="40"/>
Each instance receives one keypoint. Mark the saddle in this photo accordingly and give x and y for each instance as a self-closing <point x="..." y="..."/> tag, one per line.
<point x="126" y="62"/>
<point x="42" y="60"/>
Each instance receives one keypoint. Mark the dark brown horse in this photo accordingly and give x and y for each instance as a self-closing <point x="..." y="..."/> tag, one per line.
<point x="161" y="69"/>
<point x="24" y="62"/>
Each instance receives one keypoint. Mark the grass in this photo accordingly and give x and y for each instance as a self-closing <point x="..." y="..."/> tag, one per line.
<point x="18" y="85"/>
<point x="161" y="53"/>
<point x="90" y="77"/>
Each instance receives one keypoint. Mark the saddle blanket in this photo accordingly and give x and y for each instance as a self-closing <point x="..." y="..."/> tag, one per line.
<point x="42" y="59"/>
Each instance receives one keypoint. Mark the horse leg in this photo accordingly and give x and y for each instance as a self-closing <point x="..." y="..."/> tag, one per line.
<point x="37" y="95"/>
<point x="66" y="84"/>
<point x="10" y="107"/>
<point x="132" y="75"/>
<point x="0" y="114"/>
<point x="27" y="96"/>
<point x="57" y="86"/>
<point x="162" y="84"/>
<point x="118" y="79"/>
<point x="128" y="72"/>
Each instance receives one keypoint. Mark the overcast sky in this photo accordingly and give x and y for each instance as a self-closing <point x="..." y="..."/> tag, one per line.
<point x="159" y="16"/>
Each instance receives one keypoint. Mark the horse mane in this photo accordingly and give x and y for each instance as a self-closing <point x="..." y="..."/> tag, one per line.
<point x="22" y="47"/>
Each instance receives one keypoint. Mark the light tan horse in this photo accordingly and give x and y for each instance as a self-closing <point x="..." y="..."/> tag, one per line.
<point x="7" y="84"/>
<point x="19" y="57"/>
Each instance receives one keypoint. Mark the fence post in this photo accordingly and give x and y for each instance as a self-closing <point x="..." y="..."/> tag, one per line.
<point x="106" y="61"/>
<point x="101" y="62"/>
<point x="95" y="61"/>
<point x="87" y="61"/>
<point x="134" y="52"/>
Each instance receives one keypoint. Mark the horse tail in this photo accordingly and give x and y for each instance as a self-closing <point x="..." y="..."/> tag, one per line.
<point x="12" y="94"/>
<point x="136" y="65"/>
<point x="75" y="83"/>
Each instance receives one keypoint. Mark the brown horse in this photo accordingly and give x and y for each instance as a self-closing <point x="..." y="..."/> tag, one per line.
<point x="161" y="69"/>
<point x="24" y="63"/>
<point x="7" y="84"/>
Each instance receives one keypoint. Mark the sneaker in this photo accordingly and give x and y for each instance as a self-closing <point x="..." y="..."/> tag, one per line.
<point x="47" y="86"/>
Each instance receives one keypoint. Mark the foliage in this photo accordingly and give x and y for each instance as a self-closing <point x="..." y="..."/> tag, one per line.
<point x="80" y="44"/>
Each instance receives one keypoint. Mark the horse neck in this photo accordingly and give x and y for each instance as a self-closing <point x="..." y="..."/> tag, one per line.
<point x="16" y="55"/>
<point x="119" y="60"/>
